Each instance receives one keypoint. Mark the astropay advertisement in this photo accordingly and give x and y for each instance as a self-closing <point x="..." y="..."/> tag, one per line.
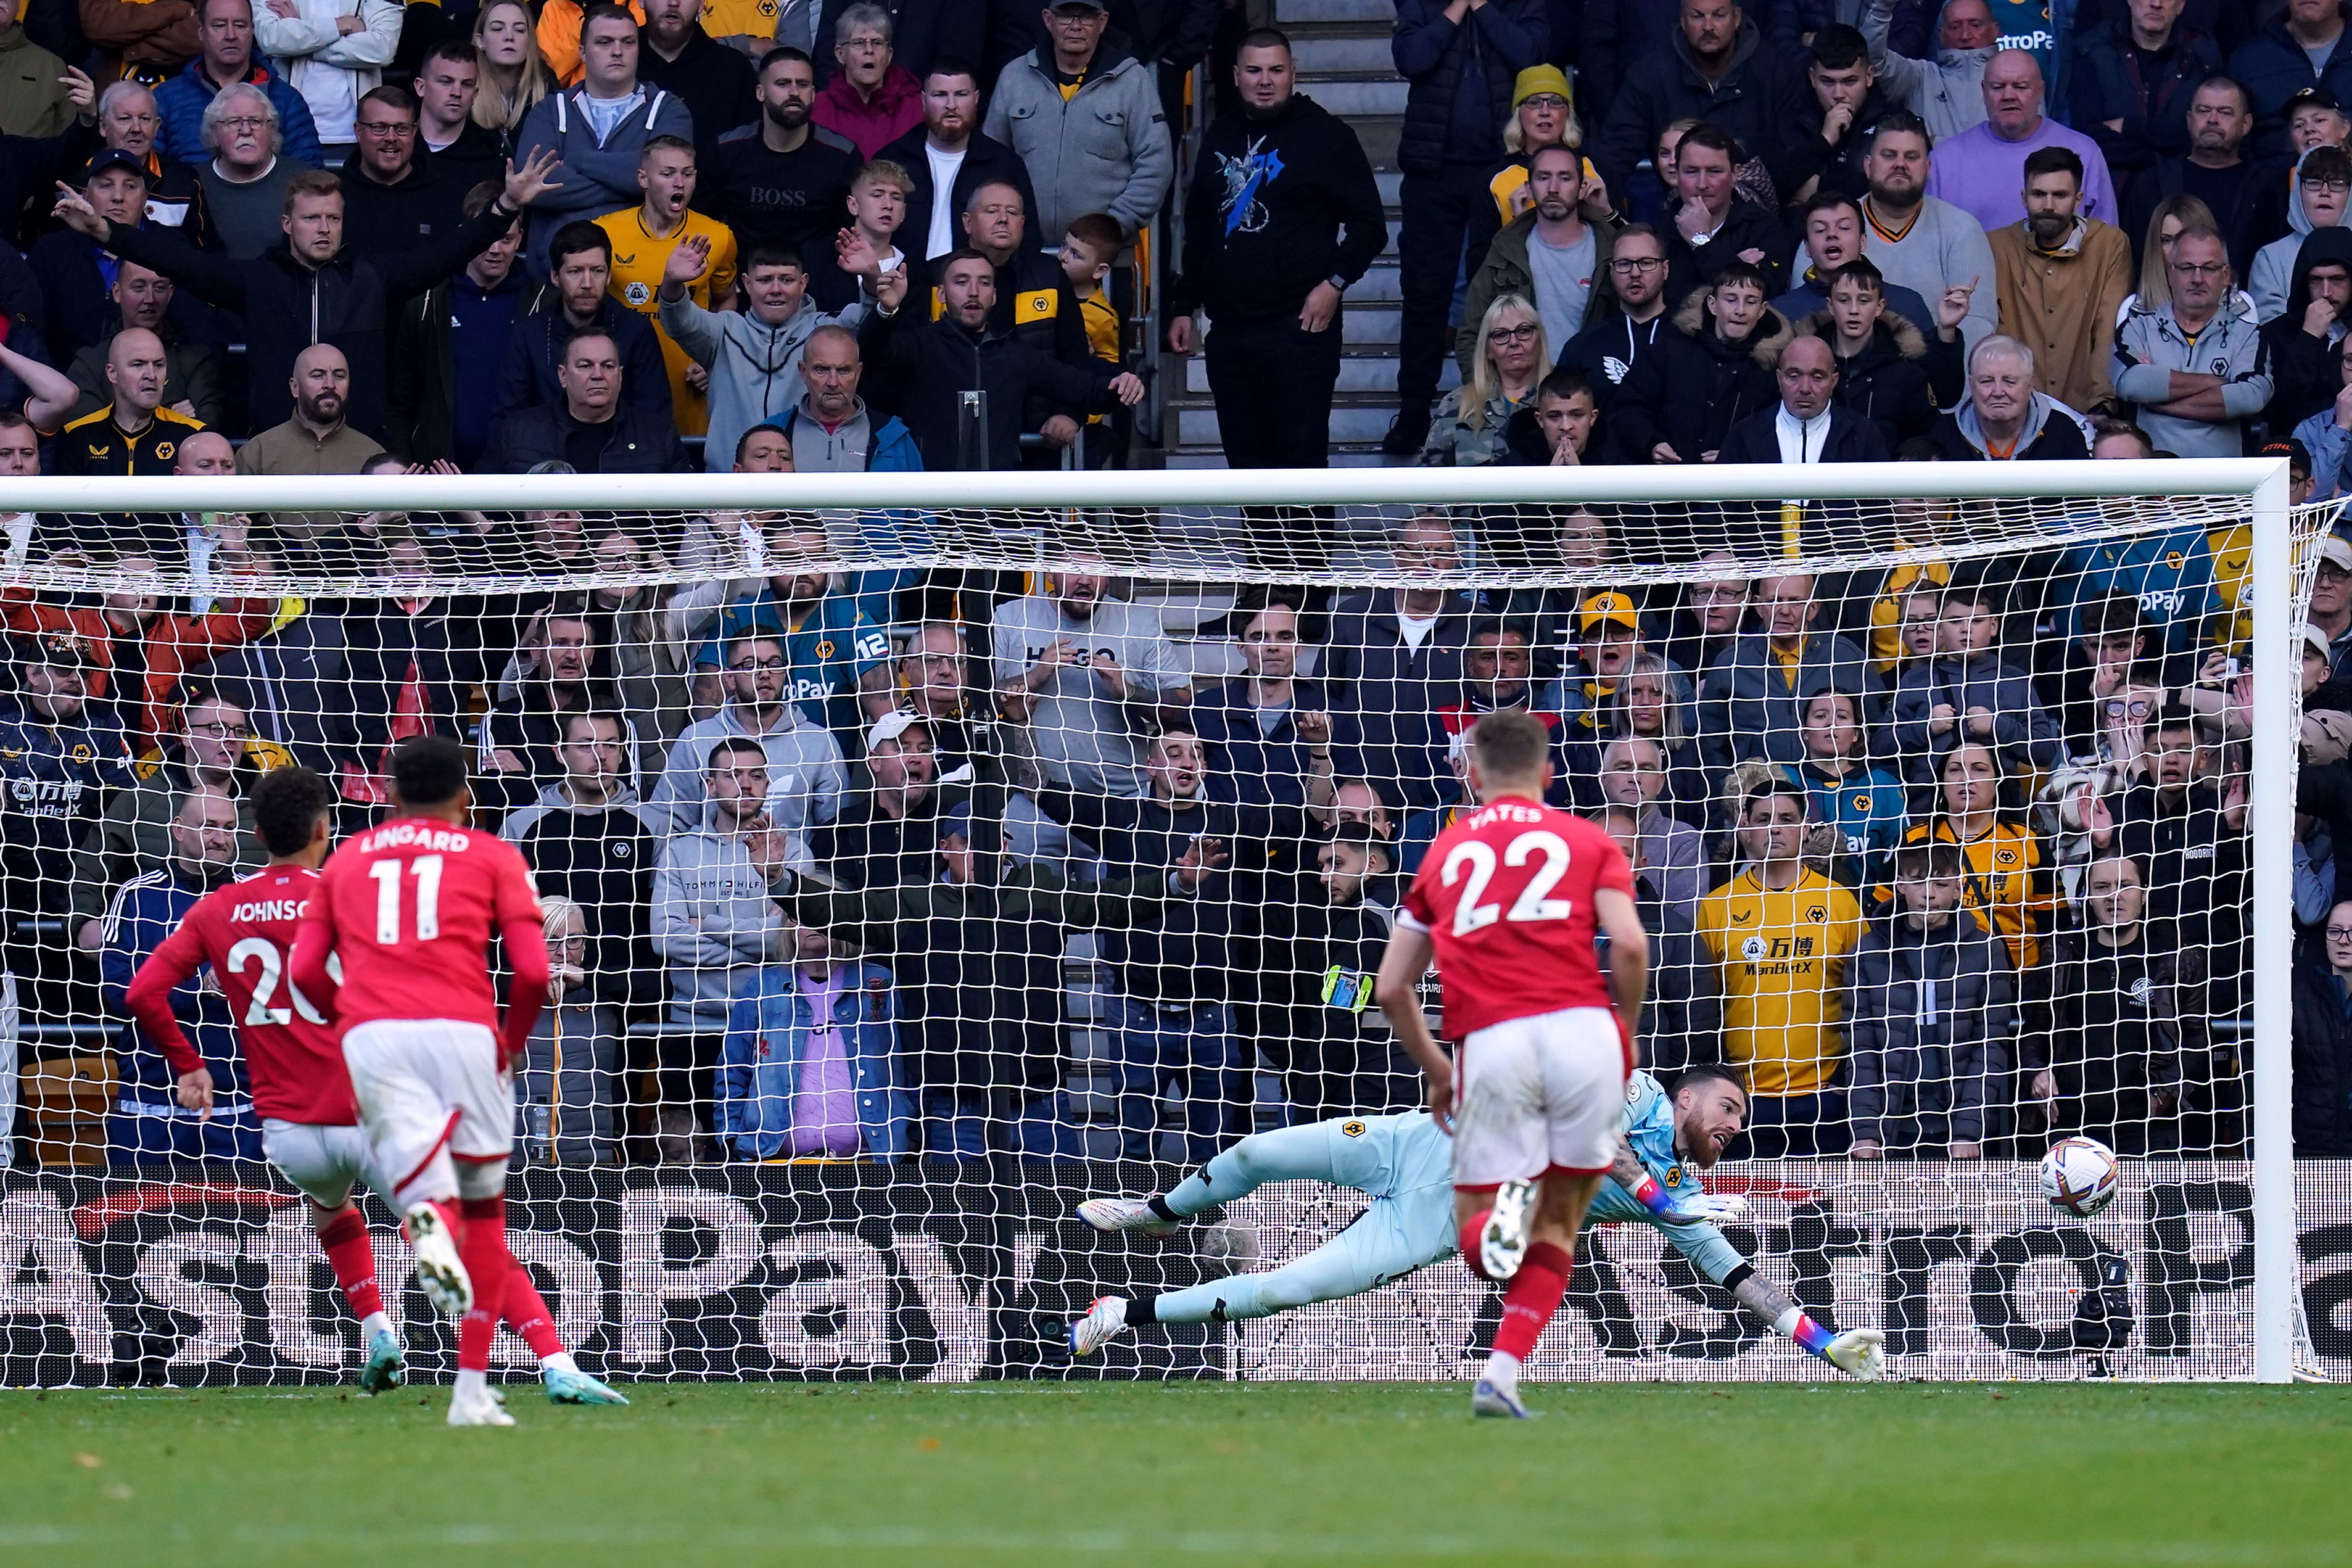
<point x="935" y="1272"/>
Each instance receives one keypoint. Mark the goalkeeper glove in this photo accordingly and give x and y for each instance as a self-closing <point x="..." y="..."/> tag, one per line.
<point x="1856" y="1350"/>
<point x="1699" y="1208"/>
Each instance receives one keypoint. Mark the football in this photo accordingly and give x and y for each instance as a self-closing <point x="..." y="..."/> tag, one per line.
<point x="2079" y="1176"/>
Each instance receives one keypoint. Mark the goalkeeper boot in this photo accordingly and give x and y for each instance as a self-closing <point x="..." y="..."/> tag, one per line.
<point x="1502" y="1239"/>
<point x="385" y="1367"/>
<point x="1104" y="1321"/>
<point x="440" y="1273"/>
<point x="1492" y="1399"/>
<point x="1110" y="1214"/>
<point x="1860" y="1351"/>
<point x="477" y="1407"/>
<point x="570" y="1385"/>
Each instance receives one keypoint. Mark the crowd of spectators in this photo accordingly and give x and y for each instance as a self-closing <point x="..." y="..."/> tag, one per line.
<point x="1945" y="861"/>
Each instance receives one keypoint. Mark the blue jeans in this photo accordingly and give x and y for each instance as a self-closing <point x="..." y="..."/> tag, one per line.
<point x="1194" y="1046"/>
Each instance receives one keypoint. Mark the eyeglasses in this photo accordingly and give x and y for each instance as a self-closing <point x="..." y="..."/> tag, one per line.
<point x="2339" y="187"/>
<point x="759" y="664"/>
<point x="1636" y="264"/>
<point x="2136" y="708"/>
<point x="1704" y="595"/>
<point x="242" y="122"/>
<point x="2201" y="268"/>
<point x="2339" y="934"/>
<point x="1544" y="101"/>
<point x="220" y="730"/>
<point x="1524" y="332"/>
<point x="378" y="128"/>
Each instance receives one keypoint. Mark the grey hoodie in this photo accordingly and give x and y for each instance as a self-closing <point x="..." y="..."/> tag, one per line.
<point x="805" y="776"/>
<point x="1104" y="151"/>
<point x="716" y="920"/>
<point x="1946" y="92"/>
<point x="755" y="369"/>
<point x="592" y="177"/>
<point x="2273" y="273"/>
<point x="2150" y="346"/>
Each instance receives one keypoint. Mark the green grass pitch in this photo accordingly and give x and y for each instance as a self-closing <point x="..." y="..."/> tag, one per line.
<point x="1215" y="1473"/>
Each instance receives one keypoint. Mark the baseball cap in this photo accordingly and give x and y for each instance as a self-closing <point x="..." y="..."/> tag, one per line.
<point x="956" y="823"/>
<point x="1089" y="5"/>
<point x="2308" y="98"/>
<point x="890" y="726"/>
<point x="62" y="649"/>
<point x="1536" y="80"/>
<point x="2316" y="641"/>
<point x="2336" y="551"/>
<point x="113" y="158"/>
<point x="1612" y="607"/>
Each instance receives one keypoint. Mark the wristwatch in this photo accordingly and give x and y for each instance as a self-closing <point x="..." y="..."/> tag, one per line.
<point x="1337" y="282"/>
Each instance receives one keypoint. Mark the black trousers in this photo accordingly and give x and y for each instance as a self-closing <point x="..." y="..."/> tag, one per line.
<point x="1438" y="210"/>
<point x="1273" y="386"/>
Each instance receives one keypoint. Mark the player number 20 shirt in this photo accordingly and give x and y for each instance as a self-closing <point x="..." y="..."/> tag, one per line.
<point x="1505" y="895"/>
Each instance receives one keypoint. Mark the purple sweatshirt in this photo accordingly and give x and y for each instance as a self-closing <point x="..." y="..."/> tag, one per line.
<point x="1984" y="176"/>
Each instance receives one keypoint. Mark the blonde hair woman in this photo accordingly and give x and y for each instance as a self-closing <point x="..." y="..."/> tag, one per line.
<point x="2172" y="215"/>
<point x="1513" y="355"/>
<point x="1543" y="114"/>
<point x="513" y="75"/>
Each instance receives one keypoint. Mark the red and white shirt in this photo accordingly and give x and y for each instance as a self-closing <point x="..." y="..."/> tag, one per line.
<point x="245" y="932"/>
<point x="410" y="907"/>
<point x="1505" y="894"/>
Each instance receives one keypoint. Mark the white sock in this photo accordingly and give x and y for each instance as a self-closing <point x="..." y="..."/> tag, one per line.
<point x="559" y="1361"/>
<point x="375" y="1323"/>
<point x="471" y="1385"/>
<point x="1503" y="1371"/>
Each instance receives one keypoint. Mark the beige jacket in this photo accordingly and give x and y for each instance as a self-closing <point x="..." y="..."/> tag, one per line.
<point x="2064" y="308"/>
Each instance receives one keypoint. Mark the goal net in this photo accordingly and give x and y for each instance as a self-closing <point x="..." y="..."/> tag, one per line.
<point x="924" y="854"/>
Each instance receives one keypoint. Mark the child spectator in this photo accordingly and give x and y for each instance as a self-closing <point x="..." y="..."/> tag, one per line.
<point x="1089" y="251"/>
<point x="1927" y="1018"/>
<point x="569" y="1086"/>
<point x="809" y="1069"/>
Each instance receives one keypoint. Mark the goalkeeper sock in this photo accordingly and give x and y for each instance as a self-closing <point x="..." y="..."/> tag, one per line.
<point x="484" y="1250"/>
<point x="526" y="1313"/>
<point x="345" y="1242"/>
<point x="1531" y="1299"/>
<point x="1159" y="1205"/>
<point x="1140" y="1308"/>
<point x="1796" y="1325"/>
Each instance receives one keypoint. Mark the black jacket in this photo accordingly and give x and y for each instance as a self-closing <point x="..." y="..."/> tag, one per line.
<point x="777" y="198"/>
<point x="1851" y="439"/>
<point x="2239" y="220"/>
<point x="1277" y="205"/>
<point x="422" y="205"/>
<point x="535" y="348"/>
<point x="2303" y="377"/>
<point x="1749" y="226"/>
<point x="714" y="80"/>
<point x="1690" y="387"/>
<point x="288" y="305"/>
<point x="1434" y="98"/>
<point x="1902" y="379"/>
<point x="479" y="154"/>
<point x="923" y="368"/>
<point x="74" y="310"/>
<point x="1525" y="447"/>
<point x="1838" y="165"/>
<point x="1607" y="349"/>
<point x="2105" y="83"/>
<point x="634" y="442"/>
<point x="1761" y="101"/>
<point x="986" y="161"/>
<point x="2323" y="1065"/>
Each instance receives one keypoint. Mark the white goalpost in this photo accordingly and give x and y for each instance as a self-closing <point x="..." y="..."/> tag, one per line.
<point x="1088" y="1011"/>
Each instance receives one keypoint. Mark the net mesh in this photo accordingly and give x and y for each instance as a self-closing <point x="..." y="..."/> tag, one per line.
<point x="1055" y="860"/>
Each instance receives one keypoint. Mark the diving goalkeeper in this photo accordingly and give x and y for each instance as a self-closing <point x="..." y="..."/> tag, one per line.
<point x="1404" y="1164"/>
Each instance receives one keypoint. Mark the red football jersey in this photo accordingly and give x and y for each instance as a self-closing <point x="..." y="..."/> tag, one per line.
<point x="410" y="907"/>
<point x="245" y="931"/>
<point x="1506" y="895"/>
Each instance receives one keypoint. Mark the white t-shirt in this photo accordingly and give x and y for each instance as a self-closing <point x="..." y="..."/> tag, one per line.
<point x="1415" y="629"/>
<point x="945" y="167"/>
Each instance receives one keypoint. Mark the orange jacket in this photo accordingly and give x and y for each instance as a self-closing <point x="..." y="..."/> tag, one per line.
<point x="173" y="644"/>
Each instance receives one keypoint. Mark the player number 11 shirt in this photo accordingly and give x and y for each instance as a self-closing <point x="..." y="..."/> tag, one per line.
<point x="1505" y="895"/>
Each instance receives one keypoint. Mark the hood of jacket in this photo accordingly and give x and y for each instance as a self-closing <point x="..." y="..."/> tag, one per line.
<point x="554" y="798"/>
<point x="1112" y="55"/>
<point x="2038" y="417"/>
<point x="2298" y="219"/>
<point x="1763" y="346"/>
<point x="2319" y="247"/>
<point x="1751" y="38"/>
<point x="1894" y="338"/>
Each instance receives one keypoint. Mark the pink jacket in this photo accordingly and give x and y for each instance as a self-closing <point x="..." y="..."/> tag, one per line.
<point x="896" y="107"/>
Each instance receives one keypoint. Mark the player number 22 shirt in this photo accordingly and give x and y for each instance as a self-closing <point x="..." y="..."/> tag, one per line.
<point x="1505" y="895"/>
